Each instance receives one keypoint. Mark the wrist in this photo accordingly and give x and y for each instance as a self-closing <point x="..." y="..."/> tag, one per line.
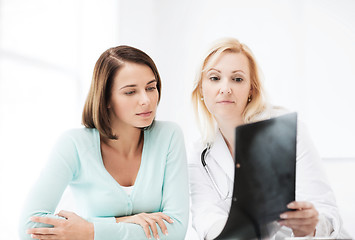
<point x="91" y="231"/>
<point x="121" y="219"/>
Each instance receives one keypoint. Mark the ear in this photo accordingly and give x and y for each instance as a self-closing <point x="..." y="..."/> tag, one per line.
<point x="200" y="90"/>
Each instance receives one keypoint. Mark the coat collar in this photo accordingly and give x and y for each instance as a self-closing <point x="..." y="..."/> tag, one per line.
<point x="220" y="153"/>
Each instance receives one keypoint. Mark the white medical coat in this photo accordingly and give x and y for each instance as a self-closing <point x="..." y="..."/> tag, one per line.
<point x="210" y="210"/>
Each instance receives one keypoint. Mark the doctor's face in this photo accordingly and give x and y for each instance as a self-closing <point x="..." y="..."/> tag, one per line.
<point x="226" y="87"/>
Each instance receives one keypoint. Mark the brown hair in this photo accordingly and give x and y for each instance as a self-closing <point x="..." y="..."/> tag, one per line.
<point x="96" y="112"/>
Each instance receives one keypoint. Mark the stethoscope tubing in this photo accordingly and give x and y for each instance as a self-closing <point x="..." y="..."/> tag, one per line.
<point x="204" y="164"/>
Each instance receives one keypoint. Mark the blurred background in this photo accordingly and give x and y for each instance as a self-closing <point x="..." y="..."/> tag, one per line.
<point x="306" y="50"/>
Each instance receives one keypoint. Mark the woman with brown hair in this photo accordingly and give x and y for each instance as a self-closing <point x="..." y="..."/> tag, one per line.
<point x="127" y="171"/>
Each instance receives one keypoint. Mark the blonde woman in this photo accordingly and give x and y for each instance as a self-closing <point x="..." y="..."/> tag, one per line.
<point x="228" y="92"/>
<point x="127" y="172"/>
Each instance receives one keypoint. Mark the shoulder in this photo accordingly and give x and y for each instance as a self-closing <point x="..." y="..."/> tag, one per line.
<point x="72" y="146"/>
<point x="77" y="138"/>
<point x="77" y="134"/>
<point x="164" y="128"/>
<point x="165" y="125"/>
<point x="194" y="151"/>
<point x="270" y="111"/>
<point x="304" y="141"/>
<point x="277" y="111"/>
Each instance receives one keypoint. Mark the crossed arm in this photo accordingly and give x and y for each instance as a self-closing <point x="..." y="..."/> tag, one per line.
<point x="73" y="227"/>
<point x="38" y="219"/>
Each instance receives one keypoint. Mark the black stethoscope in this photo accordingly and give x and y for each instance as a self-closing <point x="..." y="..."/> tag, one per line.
<point x="204" y="164"/>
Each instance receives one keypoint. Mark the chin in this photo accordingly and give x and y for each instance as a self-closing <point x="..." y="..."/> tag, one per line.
<point x="146" y="124"/>
<point x="228" y="115"/>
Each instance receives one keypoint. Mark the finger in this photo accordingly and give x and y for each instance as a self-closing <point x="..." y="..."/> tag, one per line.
<point x="165" y="217"/>
<point x="43" y="237"/>
<point x="300" y="205"/>
<point x="145" y="227"/>
<point x="138" y="219"/>
<point x="304" y="232"/>
<point x="301" y="230"/>
<point x="153" y="226"/>
<point x="306" y="213"/>
<point x="40" y="231"/>
<point x="46" y="220"/>
<point x="299" y="222"/>
<point x="66" y="214"/>
<point x="158" y="219"/>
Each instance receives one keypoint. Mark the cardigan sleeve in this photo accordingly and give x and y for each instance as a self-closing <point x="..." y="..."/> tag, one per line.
<point x="46" y="193"/>
<point x="175" y="202"/>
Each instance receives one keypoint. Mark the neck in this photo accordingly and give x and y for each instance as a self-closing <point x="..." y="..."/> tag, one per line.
<point x="227" y="130"/>
<point x="130" y="140"/>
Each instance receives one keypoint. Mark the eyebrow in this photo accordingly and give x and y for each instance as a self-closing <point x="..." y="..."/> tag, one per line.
<point x="135" y="85"/>
<point x="235" y="71"/>
<point x="238" y="71"/>
<point x="214" y="70"/>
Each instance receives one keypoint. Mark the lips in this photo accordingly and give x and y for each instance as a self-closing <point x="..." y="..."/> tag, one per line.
<point x="145" y="114"/>
<point x="225" y="102"/>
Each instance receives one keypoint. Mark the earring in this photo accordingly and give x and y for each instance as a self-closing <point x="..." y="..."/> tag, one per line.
<point x="249" y="99"/>
<point x="202" y="99"/>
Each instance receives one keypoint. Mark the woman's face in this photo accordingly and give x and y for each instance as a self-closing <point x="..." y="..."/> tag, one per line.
<point x="134" y="96"/>
<point x="226" y="87"/>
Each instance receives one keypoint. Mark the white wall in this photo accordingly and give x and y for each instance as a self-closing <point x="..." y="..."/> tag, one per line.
<point x="48" y="49"/>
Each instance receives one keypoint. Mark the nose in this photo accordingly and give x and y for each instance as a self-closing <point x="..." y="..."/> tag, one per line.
<point x="144" y="99"/>
<point x="225" y="87"/>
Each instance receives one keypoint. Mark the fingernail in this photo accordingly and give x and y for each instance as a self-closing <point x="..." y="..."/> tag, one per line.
<point x="158" y="238"/>
<point x="171" y="220"/>
<point x="290" y="205"/>
<point x="166" y="233"/>
<point x="283" y="215"/>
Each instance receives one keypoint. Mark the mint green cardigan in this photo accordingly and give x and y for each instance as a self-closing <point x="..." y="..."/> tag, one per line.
<point x="161" y="184"/>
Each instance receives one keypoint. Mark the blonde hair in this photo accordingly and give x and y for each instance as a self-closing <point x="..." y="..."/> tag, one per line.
<point x="254" y="108"/>
<point x="96" y="112"/>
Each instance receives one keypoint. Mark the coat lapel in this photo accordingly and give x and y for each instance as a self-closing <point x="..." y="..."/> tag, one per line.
<point x="220" y="152"/>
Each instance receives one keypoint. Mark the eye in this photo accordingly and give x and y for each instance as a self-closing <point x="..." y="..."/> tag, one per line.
<point x="129" y="93"/>
<point x="214" y="78"/>
<point x="238" y="79"/>
<point x="152" y="88"/>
